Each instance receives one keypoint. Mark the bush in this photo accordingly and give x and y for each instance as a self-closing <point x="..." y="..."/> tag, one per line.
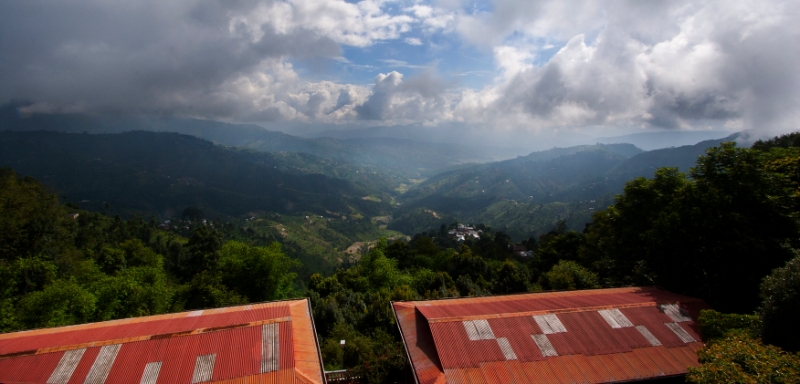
<point x="61" y="303"/>
<point x="568" y="275"/>
<point x="741" y="358"/>
<point x="715" y="325"/>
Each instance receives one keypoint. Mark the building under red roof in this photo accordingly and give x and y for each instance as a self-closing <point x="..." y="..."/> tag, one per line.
<point x="259" y="343"/>
<point x="591" y="336"/>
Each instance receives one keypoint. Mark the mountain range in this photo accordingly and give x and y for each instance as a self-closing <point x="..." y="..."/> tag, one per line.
<point x="160" y="165"/>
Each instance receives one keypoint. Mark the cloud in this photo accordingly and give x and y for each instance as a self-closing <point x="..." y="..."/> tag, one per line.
<point x="357" y="24"/>
<point x="420" y="98"/>
<point x="433" y="19"/>
<point x="400" y="64"/>
<point x="682" y="65"/>
<point x="143" y="56"/>
<point x="557" y="65"/>
<point x="213" y="59"/>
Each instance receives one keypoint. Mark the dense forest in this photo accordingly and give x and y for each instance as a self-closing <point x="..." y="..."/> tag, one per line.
<point x="725" y="231"/>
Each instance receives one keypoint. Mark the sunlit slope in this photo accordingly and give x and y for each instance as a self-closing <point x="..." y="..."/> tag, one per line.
<point x="540" y="175"/>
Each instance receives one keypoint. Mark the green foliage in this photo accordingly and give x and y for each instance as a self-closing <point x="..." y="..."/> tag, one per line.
<point x="741" y="358"/>
<point x="137" y="254"/>
<point x="467" y="263"/>
<point x="558" y="244"/>
<point x="375" y="358"/>
<point x="512" y="277"/>
<point x="715" y="325"/>
<point x="29" y="275"/>
<point x="62" y="303"/>
<point x="432" y="284"/>
<point x="783" y="141"/>
<point x="385" y="363"/>
<point x="682" y="233"/>
<point x="206" y="290"/>
<point x="203" y="251"/>
<point x="31" y="220"/>
<point x="568" y="274"/>
<point x="381" y="271"/>
<point x="780" y="306"/>
<point x="89" y="267"/>
<point x="529" y="194"/>
<point x="138" y="291"/>
<point x="418" y="220"/>
<point x="155" y="172"/>
<point x="258" y="273"/>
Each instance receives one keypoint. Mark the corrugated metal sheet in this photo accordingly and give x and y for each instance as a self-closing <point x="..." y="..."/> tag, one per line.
<point x="588" y="336"/>
<point x="66" y="366"/>
<point x="234" y="344"/>
<point x="102" y="364"/>
<point x="150" y="374"/>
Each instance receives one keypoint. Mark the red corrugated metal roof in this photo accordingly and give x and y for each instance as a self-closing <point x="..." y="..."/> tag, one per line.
<point x="589" y="336"/>
<point x="259" y="343"/>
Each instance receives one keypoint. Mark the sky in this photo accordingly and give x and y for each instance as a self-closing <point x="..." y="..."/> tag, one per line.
<point x="514" y="68"/>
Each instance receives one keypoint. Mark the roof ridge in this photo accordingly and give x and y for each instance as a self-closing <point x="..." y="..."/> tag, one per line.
<point x="554" y="311"/>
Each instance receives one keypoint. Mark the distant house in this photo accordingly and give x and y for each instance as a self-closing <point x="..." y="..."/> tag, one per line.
<point x="590" y="336"/>
<point x="462" y="233"/>
<point x="519" y="250"/>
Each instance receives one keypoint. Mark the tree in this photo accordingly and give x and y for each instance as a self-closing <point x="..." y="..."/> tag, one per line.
<point x="258" y="273"/>
<point x="32" y="222"/>
<point x="716" y="325"/>
<point x="61" y="303"/>
<point x="204" y="251"/>
<point x="683" y="234"/>
<point x="206" y="290"/>
<point x="512" y="277"/>
<point x="138" y="291"/>
<point x="741" y="358"/>
<point x="558" y="244"/>
<point x="568" y="274"/>
<point x="780" y="308"/>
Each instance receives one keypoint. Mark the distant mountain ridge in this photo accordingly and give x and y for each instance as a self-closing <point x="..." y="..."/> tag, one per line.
<point x="564" y="183"/>
<point x="664" y="139"/>
<point x="412" y="157"/>
<point x="160" y="174"/>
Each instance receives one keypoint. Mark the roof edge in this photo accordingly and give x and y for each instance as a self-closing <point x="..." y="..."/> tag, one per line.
<point x="405" y="346"/>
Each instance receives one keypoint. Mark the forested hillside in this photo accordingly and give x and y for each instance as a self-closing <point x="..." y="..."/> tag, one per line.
<point x="63" y="266"/>
<point x="529" y="194"/>
<point x="162" y="173"/>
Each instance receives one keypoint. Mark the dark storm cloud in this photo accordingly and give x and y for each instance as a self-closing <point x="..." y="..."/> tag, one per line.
<point x="136" y="56"/>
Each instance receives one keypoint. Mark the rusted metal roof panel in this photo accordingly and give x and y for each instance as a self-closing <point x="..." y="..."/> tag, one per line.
<point x="413" y="326"/>
<point x="30" y="369"/>
<point x="578" y="336"/>
<point x="219" y="345"/>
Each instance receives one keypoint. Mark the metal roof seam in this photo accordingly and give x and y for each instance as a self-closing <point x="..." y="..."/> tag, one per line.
<point x="542" y="312"/>
<point x="405" y="346"/>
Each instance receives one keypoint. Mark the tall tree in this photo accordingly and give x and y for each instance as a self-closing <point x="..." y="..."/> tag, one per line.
<point x="713" y="236"/>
